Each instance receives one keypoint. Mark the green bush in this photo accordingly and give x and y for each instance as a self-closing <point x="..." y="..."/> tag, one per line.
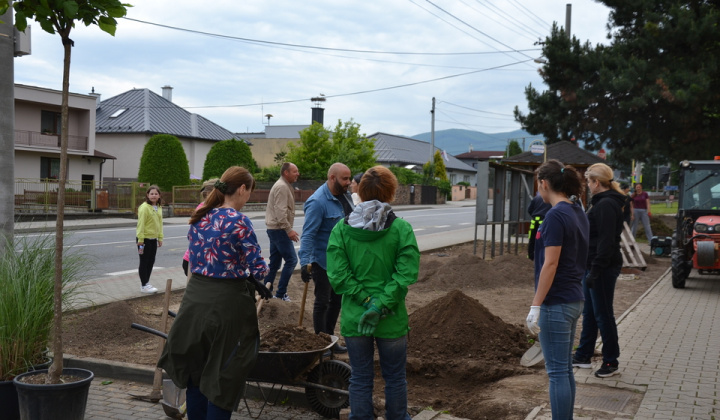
<point x="225" y="154"/>
<point x="406" y="176"/>
<point x="163" y="163"/>
<point x="269" y="174"/>
<point x="27" y="270"/>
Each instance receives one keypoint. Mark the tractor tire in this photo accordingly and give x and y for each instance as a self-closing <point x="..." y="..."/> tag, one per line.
<point x="679" y="268"/>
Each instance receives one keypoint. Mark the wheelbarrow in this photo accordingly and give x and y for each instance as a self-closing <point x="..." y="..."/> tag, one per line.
<point x="325" y="381"/>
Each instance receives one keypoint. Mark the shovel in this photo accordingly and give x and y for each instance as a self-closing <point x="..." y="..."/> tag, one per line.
<point x="533" y="355"/>
<point x="302" y="305"/>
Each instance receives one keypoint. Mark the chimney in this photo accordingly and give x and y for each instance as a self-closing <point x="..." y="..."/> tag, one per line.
<point x="167" y="92"/>
<point x="318" y="112"/>
<point x="97" y="97"/>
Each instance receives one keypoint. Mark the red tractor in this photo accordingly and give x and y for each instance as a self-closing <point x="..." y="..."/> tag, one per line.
<point x="696" y="241"/>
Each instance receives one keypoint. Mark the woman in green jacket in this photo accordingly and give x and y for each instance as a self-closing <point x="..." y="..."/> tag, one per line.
<point x="372" y="258"/>
<point x="149" y="235"/>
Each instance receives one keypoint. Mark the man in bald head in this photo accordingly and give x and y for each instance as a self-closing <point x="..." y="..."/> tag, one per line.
<point x="329" y="204"/>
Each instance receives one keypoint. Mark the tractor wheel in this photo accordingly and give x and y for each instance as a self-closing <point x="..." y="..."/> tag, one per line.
<point x="334" y="374"/>
<point x="679" y="268"/>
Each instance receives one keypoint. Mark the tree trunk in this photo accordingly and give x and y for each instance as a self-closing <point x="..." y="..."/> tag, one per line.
<point x="57" y="365"/>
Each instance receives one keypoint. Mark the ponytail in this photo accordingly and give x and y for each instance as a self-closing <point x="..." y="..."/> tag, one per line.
<point x="561" y="178"/>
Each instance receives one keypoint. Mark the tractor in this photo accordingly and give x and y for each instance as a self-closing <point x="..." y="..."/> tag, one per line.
<point x="696" y="240"/>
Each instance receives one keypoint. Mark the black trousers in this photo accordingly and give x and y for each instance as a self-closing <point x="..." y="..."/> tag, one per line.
<point x="147" y="260"/>
<point x="326" y="309"/>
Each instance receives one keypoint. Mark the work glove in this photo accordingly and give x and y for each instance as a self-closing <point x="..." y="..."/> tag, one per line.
<point x="591" y="278"/>
<point x="263" y="291"/>
<point x="532" y="319"/>
<point x="369" y="319"/>
<point x="305" y="274"/>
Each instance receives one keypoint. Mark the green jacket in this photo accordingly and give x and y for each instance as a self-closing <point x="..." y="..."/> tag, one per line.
<point x="381" y="264"/>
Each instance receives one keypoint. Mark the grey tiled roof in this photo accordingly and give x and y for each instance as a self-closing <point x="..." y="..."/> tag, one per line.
<point x="564" y="151"/>
<point x="399" y="150"/>
<point x="148" y="112"/>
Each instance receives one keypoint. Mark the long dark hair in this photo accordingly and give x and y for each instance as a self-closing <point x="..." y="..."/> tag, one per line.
<point x="232" y="179"/>
<point x="561" y="178"/>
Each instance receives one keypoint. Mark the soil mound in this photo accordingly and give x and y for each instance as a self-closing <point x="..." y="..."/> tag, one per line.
<point x="291" y="338"/>
<point x="464" y="271"/>
<point x="95" y="332"/>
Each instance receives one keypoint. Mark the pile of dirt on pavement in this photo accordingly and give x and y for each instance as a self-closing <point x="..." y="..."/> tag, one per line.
<point x="291" y="338"/>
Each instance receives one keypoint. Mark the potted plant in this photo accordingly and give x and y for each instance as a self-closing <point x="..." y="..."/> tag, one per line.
<point x="26" y="309"/>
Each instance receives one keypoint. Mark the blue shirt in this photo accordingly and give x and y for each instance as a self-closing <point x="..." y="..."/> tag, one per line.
<point x="223" y="245"/>
<point x="322" y="212"/>
<point x="565" y="225"/>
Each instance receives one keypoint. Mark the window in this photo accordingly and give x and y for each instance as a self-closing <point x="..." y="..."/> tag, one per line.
<point x="49" y="168"/>
<point x="118" y="112"/>
<point x="50" y="122"/>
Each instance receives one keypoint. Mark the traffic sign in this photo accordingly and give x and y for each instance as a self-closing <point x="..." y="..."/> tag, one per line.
<point x="537" y="147"/>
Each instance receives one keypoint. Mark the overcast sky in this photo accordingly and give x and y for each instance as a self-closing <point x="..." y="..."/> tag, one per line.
<point x="379" y="63"/>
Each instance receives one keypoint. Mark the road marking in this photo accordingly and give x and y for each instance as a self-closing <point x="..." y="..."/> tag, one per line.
<point x="121" y="273"/>
<point x="442" y="226"/>
<point x="418" y="229"/>
<point x="464" y="223"/>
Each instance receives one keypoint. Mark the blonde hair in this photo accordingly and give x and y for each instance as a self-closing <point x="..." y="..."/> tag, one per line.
<point x="603" y="174"/>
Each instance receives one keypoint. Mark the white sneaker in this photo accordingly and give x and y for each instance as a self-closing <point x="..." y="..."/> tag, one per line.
<point x="148" y="288"/>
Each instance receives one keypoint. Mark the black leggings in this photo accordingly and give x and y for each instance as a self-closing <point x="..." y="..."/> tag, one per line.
<point x="147" y="260"/>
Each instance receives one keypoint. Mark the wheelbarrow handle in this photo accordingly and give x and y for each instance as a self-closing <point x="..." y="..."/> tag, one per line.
<point x="172" y="314"/>
<point x="148" y="330"/>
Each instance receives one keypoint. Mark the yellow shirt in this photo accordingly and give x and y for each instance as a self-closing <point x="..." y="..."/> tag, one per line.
<point x="150" y="223"/>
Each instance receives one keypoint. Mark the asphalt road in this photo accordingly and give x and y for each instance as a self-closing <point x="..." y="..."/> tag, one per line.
<point x="112" y="251"/>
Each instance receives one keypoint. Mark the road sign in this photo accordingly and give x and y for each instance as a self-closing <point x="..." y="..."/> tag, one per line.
<point x="671" y="188"/>
<point x="537" y="148"/>
<point x="602" y="154"/>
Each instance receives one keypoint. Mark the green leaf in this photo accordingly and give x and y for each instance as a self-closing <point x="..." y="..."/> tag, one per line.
<point x="107" y="24"/>
<point x="106" y="382"/>
<point x="70" y="9"/>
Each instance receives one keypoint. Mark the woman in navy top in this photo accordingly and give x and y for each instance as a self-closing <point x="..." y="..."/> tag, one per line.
<point x="561" y="249"/>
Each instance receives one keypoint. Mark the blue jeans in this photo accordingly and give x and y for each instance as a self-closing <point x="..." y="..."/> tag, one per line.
<point x="393" y="355"/>
<point x="598" y="314"/>
<point x="557" y="334"/>
<point x="199" y="408"/>
<point x="281" y="248"/>
<point x="641" y="216"/>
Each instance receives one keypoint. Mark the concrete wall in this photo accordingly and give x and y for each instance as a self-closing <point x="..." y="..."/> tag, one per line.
<point x="264" y="150"/>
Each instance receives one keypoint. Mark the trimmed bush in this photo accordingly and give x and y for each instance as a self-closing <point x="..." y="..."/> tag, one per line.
<point x="164" y="163"/>
<point x="225" y="154"/>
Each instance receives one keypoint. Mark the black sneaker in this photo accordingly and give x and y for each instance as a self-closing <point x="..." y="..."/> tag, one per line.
<point x="581" y="363"/>
<point x="607" y="370"/>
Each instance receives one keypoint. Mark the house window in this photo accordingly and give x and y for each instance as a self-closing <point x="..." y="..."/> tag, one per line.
<point x="50" y="122"/>
<point x="49" y="168"/>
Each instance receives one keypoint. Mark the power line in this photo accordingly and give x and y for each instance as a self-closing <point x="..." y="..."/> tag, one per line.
<point x="476" y="110"/>
<point x="507" y="17"/>
<point x="529" y="13"/>
<point x="285" y="44"/>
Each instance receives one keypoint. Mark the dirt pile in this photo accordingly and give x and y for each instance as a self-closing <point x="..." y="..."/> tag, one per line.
<point x="291" y="338"/>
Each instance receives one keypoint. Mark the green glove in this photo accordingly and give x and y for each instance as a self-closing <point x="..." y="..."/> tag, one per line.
<point x="367" y="303"/>
<point x="369" y="320"/>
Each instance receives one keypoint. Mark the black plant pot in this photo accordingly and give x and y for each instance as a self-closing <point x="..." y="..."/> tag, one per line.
<point x="9" y="396"/>
<point x="54" y="401"/>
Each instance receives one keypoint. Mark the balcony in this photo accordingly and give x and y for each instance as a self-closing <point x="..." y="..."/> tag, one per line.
<point x="49" y="141"/>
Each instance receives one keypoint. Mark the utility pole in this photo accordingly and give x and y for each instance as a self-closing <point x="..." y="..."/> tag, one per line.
<point x="432" y="132"/>
<point x="7" y="128"/>
<point x="568" y="14"/>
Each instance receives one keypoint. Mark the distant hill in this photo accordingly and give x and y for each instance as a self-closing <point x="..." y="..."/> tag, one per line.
<point x="456" y="141"/>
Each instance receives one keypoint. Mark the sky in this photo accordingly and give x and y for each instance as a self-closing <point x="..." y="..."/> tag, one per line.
<point x="379" y="63"/>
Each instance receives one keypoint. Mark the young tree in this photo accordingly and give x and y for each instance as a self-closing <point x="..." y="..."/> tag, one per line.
<point x="439" y="165"/>
<point x="225" y="154"/>
<point x="59" y="16"/>
<point x="164" y="163"/>
<point x="513" y="148"/>
<point x="318" y="148"/>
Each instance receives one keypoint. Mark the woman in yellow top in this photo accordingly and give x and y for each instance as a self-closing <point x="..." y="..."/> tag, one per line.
<point x="149" y="235"/>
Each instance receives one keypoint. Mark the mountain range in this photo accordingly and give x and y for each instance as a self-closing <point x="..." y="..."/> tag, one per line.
<point x="456" y="141"/>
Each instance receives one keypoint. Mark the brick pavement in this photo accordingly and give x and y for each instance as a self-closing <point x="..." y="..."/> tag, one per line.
<point x="670" y="351"/>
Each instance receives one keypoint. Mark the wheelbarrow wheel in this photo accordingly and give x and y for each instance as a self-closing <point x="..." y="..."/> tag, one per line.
<point x="334" y="374"/>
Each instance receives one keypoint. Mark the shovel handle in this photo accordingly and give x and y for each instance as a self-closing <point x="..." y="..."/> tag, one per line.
<point x="302" y="304"/>
<point x="148" y="330"/>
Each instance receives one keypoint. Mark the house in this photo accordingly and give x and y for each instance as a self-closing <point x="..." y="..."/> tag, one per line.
<point x="125" y="123"/>
<point x="37" y="136"/>
<point x="265" y="146"/>
<point x="392" y="150"/>
<point x="475" y="156"/>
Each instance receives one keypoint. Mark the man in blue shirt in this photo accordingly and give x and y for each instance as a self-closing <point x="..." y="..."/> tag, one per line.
<point x="329" y="204"/>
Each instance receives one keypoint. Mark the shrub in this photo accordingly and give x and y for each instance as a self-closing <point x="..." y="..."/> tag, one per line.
<point x="225" y="154"/>
<point x="164" y="163"/>
<point x="406" y="176"/>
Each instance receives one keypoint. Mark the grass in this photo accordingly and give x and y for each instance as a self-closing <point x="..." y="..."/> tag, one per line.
<point x="662" y="208"/>
<point x="26" y="300"/>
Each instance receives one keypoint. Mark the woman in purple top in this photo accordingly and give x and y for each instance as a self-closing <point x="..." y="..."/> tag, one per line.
<point x="213" y="343"/>
<point x="641" y="211"/>
<point x="561" y="250"/>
